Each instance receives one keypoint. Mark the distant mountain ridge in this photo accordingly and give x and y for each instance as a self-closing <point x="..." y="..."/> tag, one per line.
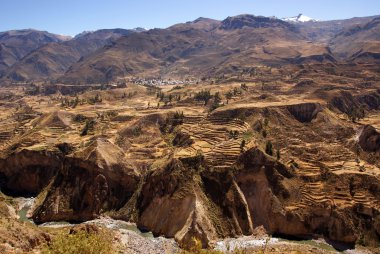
<point x="115" y="30"/>
<point x="53" y="59"/>
<point x="198" y="48"/>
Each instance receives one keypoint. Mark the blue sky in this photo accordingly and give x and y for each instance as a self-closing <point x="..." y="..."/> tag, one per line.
<point x="71" y="17"/>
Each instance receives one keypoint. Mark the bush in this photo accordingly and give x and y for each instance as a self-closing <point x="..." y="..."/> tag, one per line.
<point x="81" y="242"/>
<point x="195" y="247"/>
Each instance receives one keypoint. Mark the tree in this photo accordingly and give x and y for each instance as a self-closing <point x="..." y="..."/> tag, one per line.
<point x="203" y="95"/>
<point x="217" y="100"/>
<point x="162" y="96"/>
<point x="87" y="127"/>
<point x="278" y="155"/>
<point x="242" y="145"/>
<point x="229" y="95"/>
<point x="269" y="148"/>
<point x="236" y="91"/>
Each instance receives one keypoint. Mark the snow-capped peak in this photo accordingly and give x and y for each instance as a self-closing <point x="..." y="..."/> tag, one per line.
<point x="299" y="18"/>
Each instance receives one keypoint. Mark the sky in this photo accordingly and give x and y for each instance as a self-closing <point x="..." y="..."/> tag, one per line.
<point x="70" y="17"/>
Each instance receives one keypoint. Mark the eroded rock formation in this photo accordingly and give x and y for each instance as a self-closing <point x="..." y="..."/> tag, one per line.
<point x="305" y="112"/>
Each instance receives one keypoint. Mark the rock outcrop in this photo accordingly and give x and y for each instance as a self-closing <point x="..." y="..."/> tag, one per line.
<point x="27" y="172"/>
<point x="183" y="201"/>
<point x="90" y="182"/>
<point x="369" y="139"/>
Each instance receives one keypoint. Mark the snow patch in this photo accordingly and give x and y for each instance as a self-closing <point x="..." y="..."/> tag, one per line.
<point x="300" y="18"/>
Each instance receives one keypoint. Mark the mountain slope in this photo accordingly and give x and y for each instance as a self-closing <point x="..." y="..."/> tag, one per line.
<point x="15" y="44"/>
<point x="325" y="31"/>
<point x="359" y="42"/>
<point x="200" y="48"/>
<point x="54" y="59"/>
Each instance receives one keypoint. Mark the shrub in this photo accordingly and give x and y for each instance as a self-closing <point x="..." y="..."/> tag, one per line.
<point x="177" y="87"/>
<point x="195" y="247"/>
<point x="81" y="242"/>
<point x="234" y="134"/>
<point x="96" y="99"/>
<point x="65" y="148"/>
<point x="137" y="131"/>
<point x="79" y="118"/>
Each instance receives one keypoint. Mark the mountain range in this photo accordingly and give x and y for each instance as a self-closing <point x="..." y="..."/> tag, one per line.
<point x="200" y="48"/>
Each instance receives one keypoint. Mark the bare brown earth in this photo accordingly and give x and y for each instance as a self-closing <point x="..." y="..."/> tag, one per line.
<point x="208" y="174"/>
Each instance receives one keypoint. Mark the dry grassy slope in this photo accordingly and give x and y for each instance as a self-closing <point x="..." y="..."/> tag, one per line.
<point x="54" y="59"/>
<point x="198" y="48"/>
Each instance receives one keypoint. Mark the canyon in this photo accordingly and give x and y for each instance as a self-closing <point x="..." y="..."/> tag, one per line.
<point x="272" y="126"/>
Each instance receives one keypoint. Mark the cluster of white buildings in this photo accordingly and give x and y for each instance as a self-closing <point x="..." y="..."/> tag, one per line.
<point x="162" y="82"/>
